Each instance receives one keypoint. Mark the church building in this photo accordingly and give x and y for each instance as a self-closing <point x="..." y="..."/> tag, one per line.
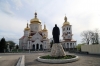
<point x="68" y="43"/>
<point x="34" y="38"/>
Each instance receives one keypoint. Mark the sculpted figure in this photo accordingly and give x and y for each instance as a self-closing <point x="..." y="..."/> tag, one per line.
<point x="56" y="34"/>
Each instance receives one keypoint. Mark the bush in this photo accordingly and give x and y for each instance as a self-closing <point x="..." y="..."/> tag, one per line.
<point x="60" y="57"/>
<point x="79" y="47"/>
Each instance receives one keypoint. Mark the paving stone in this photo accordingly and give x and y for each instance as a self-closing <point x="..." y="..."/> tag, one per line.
<point x="8" y="60"/>
<point x="85" y="60"/>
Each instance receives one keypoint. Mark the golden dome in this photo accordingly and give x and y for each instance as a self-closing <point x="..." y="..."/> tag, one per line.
<point x="29" y="36"/>
<point x="66" y="22"/>
<point x="27" y="28"/>
<point x="35" y="19"/>
<point x="44" y="28"/>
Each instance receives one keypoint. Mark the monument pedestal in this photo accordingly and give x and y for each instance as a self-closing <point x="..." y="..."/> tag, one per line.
<point x="57" y="50"/>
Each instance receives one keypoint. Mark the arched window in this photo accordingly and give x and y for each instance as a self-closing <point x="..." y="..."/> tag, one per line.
<point x="63" y="29"/>
<point x="67" y="32"/>
<point x="69" y="28"/>
<point x="71" y="45"/>
<point x="67" y="45"/>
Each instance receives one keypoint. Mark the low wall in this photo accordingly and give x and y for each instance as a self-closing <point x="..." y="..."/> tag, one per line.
<point x="92" y="49"/>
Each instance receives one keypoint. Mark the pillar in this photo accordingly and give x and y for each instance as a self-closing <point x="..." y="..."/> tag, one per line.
<point x="39" y="46"/>
<point x="73" y="46"/>
<point x="69" y="45"/>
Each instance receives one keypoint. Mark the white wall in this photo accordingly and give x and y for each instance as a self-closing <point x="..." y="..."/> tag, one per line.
<point x="92" y="49"/>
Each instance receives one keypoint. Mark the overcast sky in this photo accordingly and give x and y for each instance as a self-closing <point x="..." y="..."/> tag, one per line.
<point x="82" y="15"/>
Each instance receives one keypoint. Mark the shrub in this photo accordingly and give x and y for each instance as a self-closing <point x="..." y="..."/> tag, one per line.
<point x="59" y="57"/>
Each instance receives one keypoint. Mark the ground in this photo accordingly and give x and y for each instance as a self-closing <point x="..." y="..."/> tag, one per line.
<point x="30" y="59"/>
<point x="8" y="60"/>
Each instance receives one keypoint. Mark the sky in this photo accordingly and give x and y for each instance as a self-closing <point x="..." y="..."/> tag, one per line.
<point x="82" y="15"/>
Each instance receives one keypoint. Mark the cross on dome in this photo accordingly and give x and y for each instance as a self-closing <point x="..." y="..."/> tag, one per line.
<point x="65" y="18"/>
<point x="35" y="14"/>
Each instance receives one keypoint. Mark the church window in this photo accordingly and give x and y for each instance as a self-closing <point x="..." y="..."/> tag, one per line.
<point x="69" y="28"/>
<point x="71" y="44"/>
<point x="68" y="37"/>
<point x="68" y="45"/>
<point x="67" y="32"/>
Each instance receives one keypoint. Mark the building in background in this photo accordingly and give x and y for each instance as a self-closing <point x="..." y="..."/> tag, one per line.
<point x="34" y="38"/>
<point x="68" y="42"/>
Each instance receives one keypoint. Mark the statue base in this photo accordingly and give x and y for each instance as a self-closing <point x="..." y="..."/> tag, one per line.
<point x="57" y="50"/>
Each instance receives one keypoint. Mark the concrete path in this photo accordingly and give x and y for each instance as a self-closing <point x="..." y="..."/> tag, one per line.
<point x="85" y="60"/>
<point x="9" y="60"/>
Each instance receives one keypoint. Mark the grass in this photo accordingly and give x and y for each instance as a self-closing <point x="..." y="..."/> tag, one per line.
<point x="60" y="57"/>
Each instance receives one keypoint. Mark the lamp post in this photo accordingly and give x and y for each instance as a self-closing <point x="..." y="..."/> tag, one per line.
<point x="29" y="42"/>
<point x="8" y="47"/>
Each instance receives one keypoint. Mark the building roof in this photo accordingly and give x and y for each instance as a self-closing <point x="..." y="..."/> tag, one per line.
<point x="22" y="37"/>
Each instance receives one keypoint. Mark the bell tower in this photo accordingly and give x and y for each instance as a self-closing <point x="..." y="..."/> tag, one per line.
<point x="66" y="30"/>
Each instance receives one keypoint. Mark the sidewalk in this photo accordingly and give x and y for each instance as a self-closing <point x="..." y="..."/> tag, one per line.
<point x="9" y="60"/>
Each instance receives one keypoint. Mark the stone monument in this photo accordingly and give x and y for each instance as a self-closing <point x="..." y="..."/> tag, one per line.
<point x="57" y="49"/>
<point x="57" y="54"/>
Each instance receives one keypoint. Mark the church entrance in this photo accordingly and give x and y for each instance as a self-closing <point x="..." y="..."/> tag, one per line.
<point x="41" y="47"/>
<point x="33" y="47"/>
<point x="37" y="46"/>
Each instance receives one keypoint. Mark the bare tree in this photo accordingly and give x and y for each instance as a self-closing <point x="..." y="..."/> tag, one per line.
<point x="86" y="36"/>
<point x="90" y="36"/>
<point x="96" y="36"/>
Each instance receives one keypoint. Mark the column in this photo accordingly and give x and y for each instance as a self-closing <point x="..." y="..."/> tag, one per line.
<point x="73" y="46"/>
<point x="68" y="46"/>
<point x="39" y="46"/>
<point x="31" y="45"/>
<point x="28" y="44"/>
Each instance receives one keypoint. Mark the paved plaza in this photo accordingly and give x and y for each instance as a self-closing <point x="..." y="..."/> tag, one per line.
<point x="85" y="60"/>
<point x="10" y="59"/>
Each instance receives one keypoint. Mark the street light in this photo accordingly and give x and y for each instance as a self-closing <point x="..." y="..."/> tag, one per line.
<point x="29" y="42"/>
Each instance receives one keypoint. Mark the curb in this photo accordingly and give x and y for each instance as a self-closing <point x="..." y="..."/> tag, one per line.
<point x="56" y="61"/>
<point x="21" y="61"/>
